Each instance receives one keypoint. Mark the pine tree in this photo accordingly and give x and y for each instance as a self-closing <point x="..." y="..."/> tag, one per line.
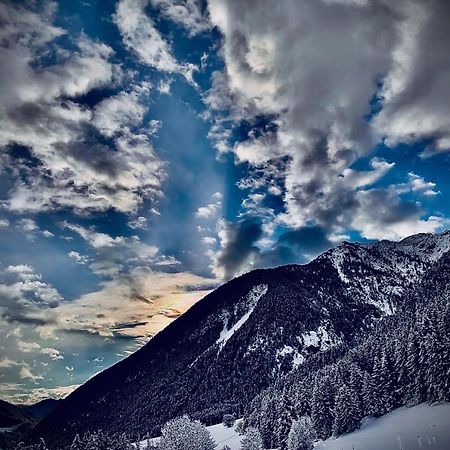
<point x="355" y="381"/>
<point x="301" y="398"/>
<point x="415" y="393"/>
<point x="267" y="425"/>
<point x="369" y="402"/>
<point x="252" y="440"/>
<point x="322" y="406"/>
<point x="77" y="443"/>
<point x="438" y="369"/>
<point x="301" y="435"/>
<point x="228" y="420"/>
<point x="347" y="411"/>
<point x="403" y="378"/>
<point x="185" y="434"/>
<point x="284" y="423"/>
<point x="380" y="384"/>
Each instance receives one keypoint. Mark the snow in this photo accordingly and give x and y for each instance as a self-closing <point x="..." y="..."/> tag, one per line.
<point x="337" y="256"/>
<point x="225" y="436"/>
<point x="317" y="338"/>
<point x="252" y="299"/>
<point x="419" y="427"/>
<point x="297" y="358"/>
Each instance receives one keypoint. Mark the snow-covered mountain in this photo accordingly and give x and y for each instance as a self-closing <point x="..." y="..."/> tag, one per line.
<point x="245" y="335"/>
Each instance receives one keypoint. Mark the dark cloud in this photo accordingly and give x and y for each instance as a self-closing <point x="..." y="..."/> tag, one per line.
<point x="240" y="251"/>
<point x="238" y="241"/>
<point x="296" y="247"/>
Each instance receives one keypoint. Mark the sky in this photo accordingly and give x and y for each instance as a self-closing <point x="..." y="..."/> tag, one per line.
<point x="151" y="150"/>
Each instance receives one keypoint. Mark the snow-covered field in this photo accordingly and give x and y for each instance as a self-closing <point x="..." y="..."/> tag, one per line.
<point x="419" y="427"/>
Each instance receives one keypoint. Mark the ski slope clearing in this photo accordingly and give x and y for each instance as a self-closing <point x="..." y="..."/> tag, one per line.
<point x="419" y="427"/>
<point x="225" y="436"/>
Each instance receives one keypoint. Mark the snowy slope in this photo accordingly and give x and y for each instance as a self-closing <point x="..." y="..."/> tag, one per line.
<point x="415" y="428"/>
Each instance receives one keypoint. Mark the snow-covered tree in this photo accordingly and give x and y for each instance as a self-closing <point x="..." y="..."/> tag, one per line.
<point x="347" y="411"/>
<point x="77" y="443"/>
<point x="252" y="440"/>
<point x="322" y="406"/>
<point x="228" y="420"/>
<point x="240" y="429"/>
<point x="185" y="434"/>
<point x="370" y="403"/>
<point x="301" y="435"/>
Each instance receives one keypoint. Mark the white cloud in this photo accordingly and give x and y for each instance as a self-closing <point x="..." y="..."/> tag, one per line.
<point x="24" y="297"/>
<point x="415" y="94"/>
<point x="79" y="259"/>
<point x="418" y="184"/>
<point x="140" y="36"/>
<point x="14" y="393"/>
<point x="382" y="215"/>
<point x="4" y="223"/>
<point x="140" y="223"/>
<point x="117" y="113"/>
<point x="212" y="209"/>
<point x="187" y="13"/>
<point x="53" y="353"/>
<point x="6" y="362"/>
<point x="25" y="374"/>
<point x="209" y="240"/>
<point x="28" y="347"/>
<point x="117" y="255"/>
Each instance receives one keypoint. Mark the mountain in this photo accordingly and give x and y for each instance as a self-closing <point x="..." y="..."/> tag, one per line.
<point x="404" y="359"/>
<point x="246" y="335"/>
<point x="41" y="409"/>
<point x="13" y="416"/>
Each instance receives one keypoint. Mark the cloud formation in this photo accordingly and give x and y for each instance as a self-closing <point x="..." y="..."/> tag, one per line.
<point x="64" y="164"/>
<point x="332" y="78"/>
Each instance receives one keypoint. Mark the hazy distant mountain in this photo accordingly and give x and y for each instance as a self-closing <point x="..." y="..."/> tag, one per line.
<point x="247" y="334"/>
<point x="41" y="409"/>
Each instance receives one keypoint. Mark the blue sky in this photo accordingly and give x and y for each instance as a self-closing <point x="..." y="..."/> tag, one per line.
<point x="152" y="149"/>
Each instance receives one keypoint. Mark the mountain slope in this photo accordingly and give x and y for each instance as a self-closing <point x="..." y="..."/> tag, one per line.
<point x="239" y="339"/>
<point x="12" y="416"/>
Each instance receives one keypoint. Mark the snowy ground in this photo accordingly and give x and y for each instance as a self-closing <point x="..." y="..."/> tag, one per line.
<point x="419" y="427"/>
<point x="225" y="436"/>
